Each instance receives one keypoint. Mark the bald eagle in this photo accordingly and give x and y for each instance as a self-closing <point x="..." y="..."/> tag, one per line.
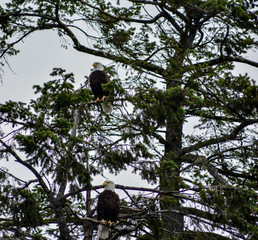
<point x="107" y="208"/>
<point x="97" y="77"/>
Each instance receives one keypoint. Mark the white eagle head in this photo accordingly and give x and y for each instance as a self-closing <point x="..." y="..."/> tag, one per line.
<point x="98" y="66"/>
<point x="109" y="185"/>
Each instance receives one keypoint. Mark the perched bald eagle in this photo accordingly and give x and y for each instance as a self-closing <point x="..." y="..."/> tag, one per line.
<point x="97" y="77"/>
<point x="108" y="208"/>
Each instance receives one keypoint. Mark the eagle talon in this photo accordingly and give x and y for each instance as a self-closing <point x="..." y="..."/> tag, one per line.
<point x="103" y="98"/>
<point x="103" y="221"/>
<point x="110" y="223"/>
<point x="97" y="100"/>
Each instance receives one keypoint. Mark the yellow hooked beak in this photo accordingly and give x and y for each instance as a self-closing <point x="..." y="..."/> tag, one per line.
<point x="105" y="183"/>
<point x="94" y="64"/>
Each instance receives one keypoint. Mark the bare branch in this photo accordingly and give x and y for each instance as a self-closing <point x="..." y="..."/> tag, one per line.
<point x="11" y="175"/>
<point x="205" y="164"/>
<point x="238" y="175"/>
<point x="223" y="59"/>
<point x="224" y="138"/>
<point x="122" y="187"/>
<point x="28" y="183"/>
<point x="17" y="41"/>
<point x="24" y="163"/>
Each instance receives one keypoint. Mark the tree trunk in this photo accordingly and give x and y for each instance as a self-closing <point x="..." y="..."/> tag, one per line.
<point x="169" y="181"/>
<point x="173" y="220"/>
<point x="88" y="226"/>
<point x="60" y="217"/>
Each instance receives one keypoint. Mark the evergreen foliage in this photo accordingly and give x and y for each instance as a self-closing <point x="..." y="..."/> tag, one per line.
<point x="176" y="64"/>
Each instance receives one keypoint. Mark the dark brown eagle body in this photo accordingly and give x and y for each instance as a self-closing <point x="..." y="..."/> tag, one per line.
<point x="107" y="209"/>
<point x="97" y="78"/>
<point x="108" y="206"/>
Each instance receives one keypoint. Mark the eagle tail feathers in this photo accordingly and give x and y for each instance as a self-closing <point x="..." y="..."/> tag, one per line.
<point x="103" y="232"/>
<point x="107" y="107"/>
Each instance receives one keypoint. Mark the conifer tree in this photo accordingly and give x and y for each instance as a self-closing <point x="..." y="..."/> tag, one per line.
<point x="179" y="58"/>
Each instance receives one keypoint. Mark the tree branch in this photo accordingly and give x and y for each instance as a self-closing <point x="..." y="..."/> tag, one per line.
<point x="122" y="187"/>
<point x="126" y="19"/>
<point x="238" y="175"/>
<point x="204" y="114"/>
<point x="171" y="20"/>
<point x="17" y="41"/>
<point x="200" y="215"/>
<point x="204" y="163"/>
<point x="221" y="139"/>
<point x="32" y="169"/>
<point x="160" y="138"/>
<point x="223" y="59"/>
